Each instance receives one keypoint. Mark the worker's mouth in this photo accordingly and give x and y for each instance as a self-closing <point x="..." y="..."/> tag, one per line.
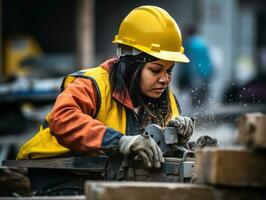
<point x="159" y="89"/>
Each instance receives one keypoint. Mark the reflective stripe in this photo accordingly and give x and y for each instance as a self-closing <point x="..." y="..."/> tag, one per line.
<point x="178" y="105"/>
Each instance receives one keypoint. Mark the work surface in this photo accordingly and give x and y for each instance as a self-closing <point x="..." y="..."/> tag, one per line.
<point x="78" y="162"/>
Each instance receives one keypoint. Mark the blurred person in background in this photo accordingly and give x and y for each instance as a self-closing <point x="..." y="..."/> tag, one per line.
<point x="196" y="75"/>
<point x="104" y="110"/>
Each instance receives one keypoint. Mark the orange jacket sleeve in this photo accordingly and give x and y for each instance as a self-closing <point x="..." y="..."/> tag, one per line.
<point x="71" y="120"/>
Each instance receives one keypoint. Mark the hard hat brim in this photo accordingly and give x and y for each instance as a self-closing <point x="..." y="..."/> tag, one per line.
<point x="161" y="54"/>
<point x="170" y="56"/>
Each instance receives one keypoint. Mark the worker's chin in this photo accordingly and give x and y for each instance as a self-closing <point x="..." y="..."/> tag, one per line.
<point x="154" y="95"/>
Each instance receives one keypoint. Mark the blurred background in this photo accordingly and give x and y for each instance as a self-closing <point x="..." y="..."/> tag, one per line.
<point x="41" y="41"/>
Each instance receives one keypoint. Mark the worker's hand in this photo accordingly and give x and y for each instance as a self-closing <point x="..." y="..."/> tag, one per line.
<point x="144" y="146"/>
<point x="184" y="127"/>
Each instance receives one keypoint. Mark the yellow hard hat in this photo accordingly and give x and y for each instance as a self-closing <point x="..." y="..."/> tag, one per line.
<point x="152" y="30"/>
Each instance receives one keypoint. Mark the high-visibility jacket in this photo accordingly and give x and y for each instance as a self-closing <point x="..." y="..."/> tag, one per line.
<point x="109" y="111"/>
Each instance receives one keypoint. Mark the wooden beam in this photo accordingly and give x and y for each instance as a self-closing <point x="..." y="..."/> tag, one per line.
<point x="230" y="167"/>
<point x="82" y="162"/>
<point x="158" y="191"/>
<point x="252" y="130"/>
<point x="145" y="191"/>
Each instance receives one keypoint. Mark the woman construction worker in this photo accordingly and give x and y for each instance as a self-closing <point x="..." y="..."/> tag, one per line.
<point x="108" y="107"/>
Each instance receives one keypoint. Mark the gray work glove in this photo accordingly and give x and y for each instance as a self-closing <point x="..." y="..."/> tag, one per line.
<point x="144" y="146"/>
<point x="184" y="127"/>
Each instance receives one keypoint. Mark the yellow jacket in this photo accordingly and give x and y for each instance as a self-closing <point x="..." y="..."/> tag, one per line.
<point x="110" y="112"/>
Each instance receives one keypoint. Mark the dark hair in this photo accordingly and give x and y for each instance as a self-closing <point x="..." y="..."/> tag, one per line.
<point x="125" y="76"/>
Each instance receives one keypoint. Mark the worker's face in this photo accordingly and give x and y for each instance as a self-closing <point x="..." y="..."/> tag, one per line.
<point x="155" y="77"/>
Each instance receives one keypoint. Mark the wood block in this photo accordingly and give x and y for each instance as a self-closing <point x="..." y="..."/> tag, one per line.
<point x="230" y="167"/>
<point x="94" y="164"/>
<point x="158" y="191"/>
<point x="146" y="190"/>
<point x="252" y="130"/>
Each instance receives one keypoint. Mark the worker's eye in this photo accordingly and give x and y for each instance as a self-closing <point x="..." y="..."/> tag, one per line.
<point x="155" y="71"/>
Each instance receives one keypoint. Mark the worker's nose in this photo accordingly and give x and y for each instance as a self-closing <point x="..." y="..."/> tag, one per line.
<point x="165" y="78"/>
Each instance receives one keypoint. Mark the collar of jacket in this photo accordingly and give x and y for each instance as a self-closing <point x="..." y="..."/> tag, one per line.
<point x="117" y="95"/>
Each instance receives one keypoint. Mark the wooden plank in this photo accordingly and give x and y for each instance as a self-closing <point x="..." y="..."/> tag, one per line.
<point x="230" y="167"/>
<point x="79" y="162"/>
<point x="145" y="191"/>
<point x="252" y="130"/>
<point x="158" y="191"/>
